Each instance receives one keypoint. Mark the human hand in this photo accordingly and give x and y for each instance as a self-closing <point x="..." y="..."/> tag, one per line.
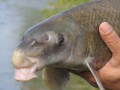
<point x="110" y="73"/>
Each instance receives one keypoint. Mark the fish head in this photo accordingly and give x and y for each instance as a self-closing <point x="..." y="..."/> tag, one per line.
<point x="41" y="46"/>
<point x="53" y="42"/>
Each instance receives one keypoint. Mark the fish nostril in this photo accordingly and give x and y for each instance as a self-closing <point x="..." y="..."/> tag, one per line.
<point x="60" y="39"/>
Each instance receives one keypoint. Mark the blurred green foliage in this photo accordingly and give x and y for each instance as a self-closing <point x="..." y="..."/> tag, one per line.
<point x="61" y="5"/>
<point x="76" y="83"/>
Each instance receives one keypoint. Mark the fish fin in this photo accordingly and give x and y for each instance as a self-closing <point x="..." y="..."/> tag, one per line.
<point x="55" y="78"/>
<point x="94" y="73"/>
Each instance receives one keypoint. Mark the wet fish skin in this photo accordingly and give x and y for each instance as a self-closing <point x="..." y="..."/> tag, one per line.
<point x="89" y="16"/>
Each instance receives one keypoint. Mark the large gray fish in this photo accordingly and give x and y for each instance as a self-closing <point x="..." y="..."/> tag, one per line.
<point x="68" y="41"/>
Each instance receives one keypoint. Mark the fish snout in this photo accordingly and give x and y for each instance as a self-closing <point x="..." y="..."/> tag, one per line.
<point x="19" y="59"/>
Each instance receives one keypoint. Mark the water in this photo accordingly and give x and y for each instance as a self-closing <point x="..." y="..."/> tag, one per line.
<point x="15" y="17"/>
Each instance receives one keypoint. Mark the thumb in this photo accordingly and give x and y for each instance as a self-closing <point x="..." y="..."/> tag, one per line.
<point x="110" y="37"/>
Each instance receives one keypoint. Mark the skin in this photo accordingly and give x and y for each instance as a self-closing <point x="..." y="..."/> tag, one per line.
<point x="110" y="73"/>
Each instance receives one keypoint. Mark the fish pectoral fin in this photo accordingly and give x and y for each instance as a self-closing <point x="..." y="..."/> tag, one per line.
<point x="55" y="78"/>
<point x="94" y="73"/>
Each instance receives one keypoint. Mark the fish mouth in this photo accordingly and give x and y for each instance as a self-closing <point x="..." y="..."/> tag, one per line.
<point x="25" y="74"/>
<point x="27" y="71"/>
<point x="25" y="66"/>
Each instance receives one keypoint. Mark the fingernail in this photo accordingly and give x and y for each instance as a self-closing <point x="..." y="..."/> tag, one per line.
<point x="105" y="28"/>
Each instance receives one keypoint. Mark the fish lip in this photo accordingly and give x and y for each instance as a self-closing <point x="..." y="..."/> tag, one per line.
<point x="25" y="73"/>
<point x="21" y="72"/>
<point x="26" y="64"/>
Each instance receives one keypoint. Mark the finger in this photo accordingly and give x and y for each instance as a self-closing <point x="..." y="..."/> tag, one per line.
<point x="110" y="37"/>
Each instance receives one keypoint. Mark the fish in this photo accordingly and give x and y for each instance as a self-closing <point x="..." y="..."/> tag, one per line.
<point x="68" y="41"/>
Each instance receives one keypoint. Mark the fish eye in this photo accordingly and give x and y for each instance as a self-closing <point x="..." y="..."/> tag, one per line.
<point x="45" y="37"/>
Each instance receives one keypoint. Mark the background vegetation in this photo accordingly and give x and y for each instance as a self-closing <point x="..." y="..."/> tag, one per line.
<point x="61" y="5"/>
<point x="76" y="83"/>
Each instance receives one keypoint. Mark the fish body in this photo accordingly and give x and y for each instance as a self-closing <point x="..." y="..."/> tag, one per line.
<point x="67" y="41"/>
